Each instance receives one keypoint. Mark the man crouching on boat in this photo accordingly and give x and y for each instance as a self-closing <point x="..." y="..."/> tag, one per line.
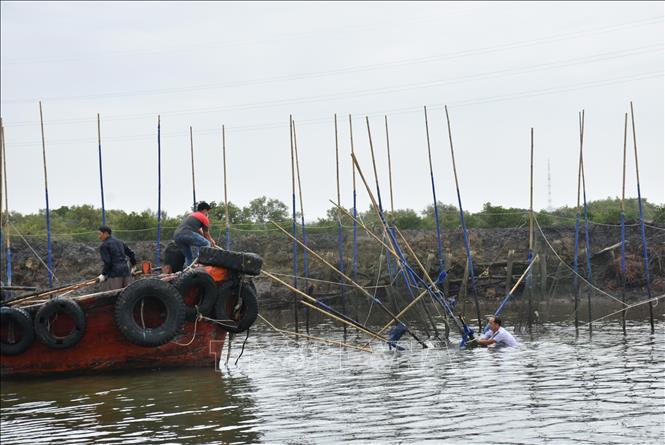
<point x="496" y="335"/>
<point x="115" y="274"/>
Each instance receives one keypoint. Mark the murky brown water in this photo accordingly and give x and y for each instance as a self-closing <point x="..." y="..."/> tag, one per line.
<point x="554" y="388"/>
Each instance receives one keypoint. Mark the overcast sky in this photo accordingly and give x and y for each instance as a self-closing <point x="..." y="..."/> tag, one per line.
<point x="501" y="68"/>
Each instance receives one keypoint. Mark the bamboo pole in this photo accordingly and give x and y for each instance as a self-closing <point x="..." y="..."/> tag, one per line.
<point x="576" y="284"/>
<point x="530" y="254"/>
<point x="316" y="308"/>
<point x="48" y="213"/>
<point x="101" y="175"/>
<point x="226" y="196"/>
<point x="295" y="232"/>
<point x="158" y="247"/>
<point x="340" y="234"/>
<point x="623" y="225"/>
<point x="645" y="253"/>
<point x="350" y="280"/>
<point x="390" y="168"/>
<point x="305" y="259"/>
<point x="586" y="224"/>
<point x="466" y="236"/>
<point x="439" y="243"/>
<point x="371" y="197"/>
<point x="5" y="195"/>
<point x="355" y="208"/>
<point x="311" y="337"/>
<point x="191" y="144"/>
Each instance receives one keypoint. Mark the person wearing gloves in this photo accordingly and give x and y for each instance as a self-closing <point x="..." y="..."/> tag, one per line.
<point x="115" y="273"/>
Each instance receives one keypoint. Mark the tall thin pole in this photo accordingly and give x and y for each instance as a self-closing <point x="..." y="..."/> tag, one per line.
<point x="586" y="224"/>
<point x="576" y="249"/>
<point x="226" y="199"/>
<point x="340" y="233"/>
<point x="439" y="244"/>
<point x="101" y="175"/>
<point x="295" y="231"/>
<point x="159" y="193"/>
<point x="305" y="259"/>
<point x="48" y="212"/>
<point x="466" y="235"/>
<point x="623" y="225"/>
<point x="191" y="144"/>
<point x="355" y="208"/>
<point x="5" y="227"/>
<point x="645" y="253"/>
<point x="378" y="189"/>
<point x="390" y="167"/>
<point x="530" y="253"/>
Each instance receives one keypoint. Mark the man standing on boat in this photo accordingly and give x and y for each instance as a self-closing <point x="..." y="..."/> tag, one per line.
<point x="193" y="232"/>
<point x="496" y="335"/>
<point x="114" y="252"/>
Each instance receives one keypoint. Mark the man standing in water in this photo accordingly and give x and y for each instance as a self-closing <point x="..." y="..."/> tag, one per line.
<point x="496" y="335"/>
<point x="115" y="274"/>
<point x="193" y="232"/>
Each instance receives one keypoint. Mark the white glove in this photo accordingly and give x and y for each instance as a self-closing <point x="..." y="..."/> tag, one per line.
<point x="101" y="278"/>
<point x="133" y="270"/>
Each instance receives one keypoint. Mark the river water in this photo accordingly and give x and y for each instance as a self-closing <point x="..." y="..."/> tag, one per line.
<point x="554" y="388"/>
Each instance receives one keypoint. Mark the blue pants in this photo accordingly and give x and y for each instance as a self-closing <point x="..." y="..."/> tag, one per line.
<point x="187" y="240"/>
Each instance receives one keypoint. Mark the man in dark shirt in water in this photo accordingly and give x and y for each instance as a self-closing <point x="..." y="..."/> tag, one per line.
<point x="115" y="273"/>
<point x="193" y="232"/>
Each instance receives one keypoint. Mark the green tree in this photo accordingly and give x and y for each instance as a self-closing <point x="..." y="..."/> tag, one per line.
<point x="262" y="210"/>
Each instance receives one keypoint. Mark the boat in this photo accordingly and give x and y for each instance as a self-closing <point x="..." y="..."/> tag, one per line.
<point x="158" y="321"/>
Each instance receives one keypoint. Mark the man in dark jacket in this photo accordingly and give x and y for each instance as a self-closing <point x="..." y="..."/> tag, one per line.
<point x="115" y="274"/>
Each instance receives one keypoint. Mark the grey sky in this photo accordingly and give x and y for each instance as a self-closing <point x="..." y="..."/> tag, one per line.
<point x="501" y="68"/>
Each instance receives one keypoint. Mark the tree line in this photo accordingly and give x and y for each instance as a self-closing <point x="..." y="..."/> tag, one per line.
<point x="81" y="222"/>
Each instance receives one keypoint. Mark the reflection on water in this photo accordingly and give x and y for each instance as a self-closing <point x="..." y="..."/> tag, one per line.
<point x="554" y="388"/>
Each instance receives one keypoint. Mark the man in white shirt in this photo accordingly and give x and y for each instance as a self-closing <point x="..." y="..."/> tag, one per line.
<point x="496" y="335"/>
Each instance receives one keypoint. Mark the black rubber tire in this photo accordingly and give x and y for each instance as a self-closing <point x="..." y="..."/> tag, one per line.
<point x="24" y="322"/>
<point x="238" y="320"/>
<point x="243" y="262"/>
<point x="57" y="306"/>
<point x="206" y="288"/>
<point x="133" y="295"/>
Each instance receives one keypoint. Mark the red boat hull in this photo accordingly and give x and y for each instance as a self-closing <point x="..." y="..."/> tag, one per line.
<point x="103" y="347"/>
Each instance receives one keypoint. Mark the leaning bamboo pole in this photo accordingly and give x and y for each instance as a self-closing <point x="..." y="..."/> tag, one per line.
<point x="466" y="235"/>
<point x="623" y="225"/>
<point x="191" y="145"/>
<point x="295" y="232"/>
<point x="101" y="170"/>
<point x="439" y="244"/>
<point x="4" y="194"/>
<point x="586" y="224"/>
<point x="340" y="233"/>
<point x="530" y="253"/>
<point x="226" y="196"/>
<point x="645" y="253"/>
<point x="355" y="284"/>
<point x="158" y="247"/>
<point x="305" y="259"/>
<point x="48" y="212"/>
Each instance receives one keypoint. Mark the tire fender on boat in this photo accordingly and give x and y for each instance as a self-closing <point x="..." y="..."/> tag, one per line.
<point x="146" y="300"/>
<point x="201" y="283"/>
<point x="237" y="307"/>
<point x="243" y="262"/>
<point x="46" y="317"/>
<point x="13" y="318"/>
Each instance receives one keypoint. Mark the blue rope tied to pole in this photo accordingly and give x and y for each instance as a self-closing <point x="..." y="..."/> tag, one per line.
<point x="228" y="238"/>
<point x="623" y="243"/>
<point x="645" y="255"/>
<point x="439" y="245"/>
<point x="467" y="246"/>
